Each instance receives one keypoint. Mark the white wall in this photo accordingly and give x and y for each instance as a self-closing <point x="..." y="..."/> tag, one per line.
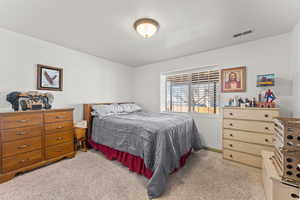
<point x="87" y="78"/>
<point x="295" y="42"/>
<point x="269" y="55"/>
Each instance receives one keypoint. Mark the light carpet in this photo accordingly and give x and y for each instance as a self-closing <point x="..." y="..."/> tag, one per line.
<point x="90" y="176"/>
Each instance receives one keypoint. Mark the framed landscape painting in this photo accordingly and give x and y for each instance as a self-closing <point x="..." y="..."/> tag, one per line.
<point x="265" y="80"/>
<point x="233" y="79"/>
<point x="49" y="78"/>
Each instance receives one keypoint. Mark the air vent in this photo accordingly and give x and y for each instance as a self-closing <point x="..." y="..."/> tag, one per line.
<point x="243" y="33"/>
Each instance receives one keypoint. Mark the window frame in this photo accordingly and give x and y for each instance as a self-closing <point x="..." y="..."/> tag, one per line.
<point x="216" y="90"/>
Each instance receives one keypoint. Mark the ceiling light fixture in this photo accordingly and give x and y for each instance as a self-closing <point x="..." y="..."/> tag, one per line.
<point x="146" y="27"/>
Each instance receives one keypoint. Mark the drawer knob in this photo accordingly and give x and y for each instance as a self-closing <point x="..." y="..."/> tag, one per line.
<point x="230" y="114"/>
<point x="59" y="138"/>
<point x="267" y="128"/>
<point x="231" y="156"/>
<point x="22" y="133"/>
<point x="231" y="135"/>
<point x="231" y="145"/>
<point x="266" y="115"/>
<point x="23" y="146"/>
<point x="230" y="124"/>
<point x="266" y="140"/>
<point x="59" y="127"/>
<point x="22" y="121"/>
<point x="23" y="161"/>
<point x="295" y="196"/>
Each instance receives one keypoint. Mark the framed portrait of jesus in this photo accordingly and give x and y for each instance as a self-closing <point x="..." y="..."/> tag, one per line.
<point x="233" y="79"/>
<point x="49" y="78"/>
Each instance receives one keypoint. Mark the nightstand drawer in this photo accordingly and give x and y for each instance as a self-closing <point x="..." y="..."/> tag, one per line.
<point x="21" y="160"/>
<point x="80" y="133"/>
<point x="58" y="138"/>
<point x="59" y="150"/>
<point x="58" y="127"/>
<point x="250" y="137"/>
<point x="254" y="126"/>
<point x="244" y="158"/>
<point x="246" y="147"/>
<point x="16" y="120"/>
<point x="58" y="116"/>
<point x="21" y="146"/>
<point x="20" y="133"/>
<point x="262" y="115"/>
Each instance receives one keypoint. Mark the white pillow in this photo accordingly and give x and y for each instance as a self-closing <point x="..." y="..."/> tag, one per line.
<point x="131" y="107"/>
<point x="103" y="110"/>
<point x="117" y="108"/>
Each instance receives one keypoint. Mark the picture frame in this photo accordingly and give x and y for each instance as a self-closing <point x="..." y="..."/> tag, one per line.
<point x="265" y="80"/>
<point x="49" y="78"/>
<point x="233" y="79"/>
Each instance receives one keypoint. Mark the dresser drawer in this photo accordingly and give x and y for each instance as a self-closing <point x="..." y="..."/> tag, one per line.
<point x="255" y="126"/>
<point x="21" y="146"/>
<point x="20" y="133"/>
<point x="247" y="159"/>
<point x="59" y="150"/>
<point x="21" y="160"/>
<point x="58" y="127"/>
<point x="249" y="114"/>
<point x="17" y="120"/>
<point x="246" y="147"/>
<point x="58" y="138"/>
<point x="250" y="137"/>
<point x="58" y="116"/>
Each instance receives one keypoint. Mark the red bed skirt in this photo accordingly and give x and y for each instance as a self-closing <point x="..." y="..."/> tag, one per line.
<point x="134" y="163"/>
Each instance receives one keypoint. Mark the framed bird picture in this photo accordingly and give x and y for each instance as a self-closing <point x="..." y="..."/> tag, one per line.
<point x="49" y="78"/>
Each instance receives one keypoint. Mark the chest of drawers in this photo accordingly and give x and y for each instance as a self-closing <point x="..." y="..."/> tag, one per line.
<point x="34" y="138"/>
<point x="246" y="132"/>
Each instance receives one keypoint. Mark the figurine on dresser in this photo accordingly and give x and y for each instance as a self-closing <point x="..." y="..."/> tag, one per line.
<point x="268" y="100"/>
<point x="269" y="96"/>
<point x="30" y="100"/>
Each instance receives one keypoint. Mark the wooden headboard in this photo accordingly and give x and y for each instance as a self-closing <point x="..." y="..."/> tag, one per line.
<point x="87" y="110"/>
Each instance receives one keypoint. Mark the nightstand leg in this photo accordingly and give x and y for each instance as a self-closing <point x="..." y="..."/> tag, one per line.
<point x="84" y="146"/>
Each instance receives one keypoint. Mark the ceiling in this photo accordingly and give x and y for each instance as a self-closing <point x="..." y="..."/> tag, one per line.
<point x="104" y="27"/>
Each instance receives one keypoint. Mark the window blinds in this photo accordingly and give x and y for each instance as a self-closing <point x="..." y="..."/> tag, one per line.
<point x="178" y="89"/>
<point x="195" y="92"/>
<point x="179" y="78"/>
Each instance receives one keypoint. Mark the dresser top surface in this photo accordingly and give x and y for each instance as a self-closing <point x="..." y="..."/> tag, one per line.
<point x="6" y="111"/>
<point x="251" y="108"/>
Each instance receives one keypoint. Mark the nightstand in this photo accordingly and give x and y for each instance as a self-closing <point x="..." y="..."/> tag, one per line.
<point x="81" y="136"/>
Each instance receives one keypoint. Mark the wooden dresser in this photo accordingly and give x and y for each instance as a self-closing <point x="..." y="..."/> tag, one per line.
<point x="246" y="132"/>
<point x="32" y="139"/>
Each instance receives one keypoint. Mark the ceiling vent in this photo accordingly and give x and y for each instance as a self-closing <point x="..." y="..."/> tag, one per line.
<point x="243" y="33"/>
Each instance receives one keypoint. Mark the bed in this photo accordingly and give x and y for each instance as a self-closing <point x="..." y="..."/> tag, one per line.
<point x="151" y="144"/>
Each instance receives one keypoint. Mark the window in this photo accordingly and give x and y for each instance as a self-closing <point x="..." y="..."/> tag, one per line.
<point x="193" y="92"/>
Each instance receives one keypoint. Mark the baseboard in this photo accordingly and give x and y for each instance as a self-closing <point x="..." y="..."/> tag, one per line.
<point x="213" y="149"/>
